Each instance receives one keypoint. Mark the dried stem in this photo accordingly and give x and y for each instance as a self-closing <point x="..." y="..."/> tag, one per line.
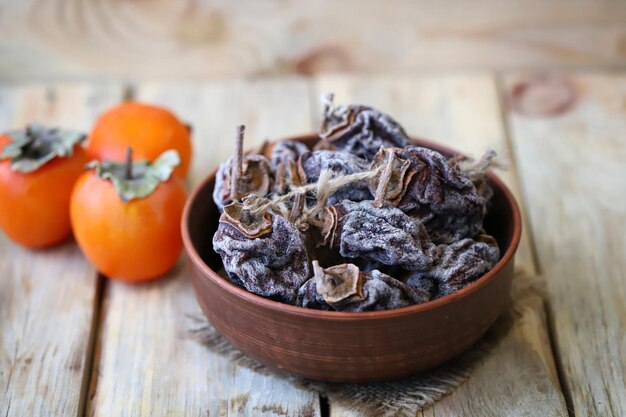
<point x="317" y="269"/>
<point x="298" y="207"/>
<point x="38" y="141"/>
<point x="330" y="187"/>
<point x="129" y="164"/>
<point x="327" y="102"/>
<point x="477" y="169"/>
<point x="280" y="176"/>
<point x="323" y="191"/>
<point x="237" y="164"/>
<point x="381" y="190"/>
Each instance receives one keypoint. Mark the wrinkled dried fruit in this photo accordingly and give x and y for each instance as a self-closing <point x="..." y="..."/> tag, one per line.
<point x="476" y="171"/>
<point x="308" y="297"/>
<point x="287" y="175"/>
<point x="339" y="163"/>
<point x="384" y="234"/>
<point x="443" y="197"/>
<point x="283" y="151"/>
<point x="345" y="288"/>
<point x="274" y="264"/>
<point x="422" y="284"/>
<point x="460" y="263"/>
<point x="360" y="130"/>
<point x="255" y="179"/>
<point x="283" y="157"/>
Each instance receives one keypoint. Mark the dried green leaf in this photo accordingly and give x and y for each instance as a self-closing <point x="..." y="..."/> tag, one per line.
<point x="146" y="175"/>
<point x="35" y="146"/>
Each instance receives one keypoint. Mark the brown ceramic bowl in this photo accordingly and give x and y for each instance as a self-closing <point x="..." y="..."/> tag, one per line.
<point x="350" y="347"/>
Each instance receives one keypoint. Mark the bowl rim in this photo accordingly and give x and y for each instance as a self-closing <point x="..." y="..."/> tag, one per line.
<point x="283" y="308"/>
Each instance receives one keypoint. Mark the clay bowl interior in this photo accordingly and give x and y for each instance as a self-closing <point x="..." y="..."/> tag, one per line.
<point x="350" y="347"/>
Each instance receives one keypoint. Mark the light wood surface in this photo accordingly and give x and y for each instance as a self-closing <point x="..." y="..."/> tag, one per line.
<point x="463" y="111"/>
<point x="573" y="170"/>
<point x="205" y="38"/>
<point x="148" y="364"/>
<point x="48" y="298"/>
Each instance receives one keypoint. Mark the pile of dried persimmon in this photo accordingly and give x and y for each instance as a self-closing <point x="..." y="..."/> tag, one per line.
<point x="364" y="221"/>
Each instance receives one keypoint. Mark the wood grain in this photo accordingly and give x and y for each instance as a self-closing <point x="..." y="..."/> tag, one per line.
<point x="573" y="169"/>
<point x="48" y="298"/>
<point x="147" y="363"/>
<point x="518" y="377"/>
<point x="200" y="39"/>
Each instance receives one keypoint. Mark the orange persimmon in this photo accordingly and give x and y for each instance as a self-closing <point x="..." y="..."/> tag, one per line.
<point x="36" y="181"/>
<point x="148" y="129"/>
<point x="126" y="220"/>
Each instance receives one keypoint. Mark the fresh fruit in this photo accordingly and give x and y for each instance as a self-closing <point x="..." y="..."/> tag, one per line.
<point x="38" y="169"/>
<point x="126" y="216"/>
<point x="148" y="129"/>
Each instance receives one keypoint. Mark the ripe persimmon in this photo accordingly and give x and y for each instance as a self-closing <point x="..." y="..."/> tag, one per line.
<point x="148" y="129"/>
<point x="38" y="169"/>
<point x="126" y="216"/>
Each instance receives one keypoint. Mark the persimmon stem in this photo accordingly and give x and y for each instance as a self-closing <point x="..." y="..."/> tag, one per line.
<point x="37" y="144"/>
<point x="236" y="167"/>
<point x="297" y="208"/>
<point x="381" y="190"/>
<point x="327" y="103"/>
<point x="129" y="163"/>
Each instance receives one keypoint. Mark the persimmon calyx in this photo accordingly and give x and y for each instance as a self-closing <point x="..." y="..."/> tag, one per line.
<point x="339" y="282"/>
<point x="390" y="187"/>
<point x="36" y="145"/>
<point x="252" y="224"/>
<point x="146" y="176"/>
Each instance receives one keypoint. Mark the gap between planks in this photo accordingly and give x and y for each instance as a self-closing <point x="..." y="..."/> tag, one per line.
<point x="54" y="291"/>
<point x="573" y="163"/>
<point x="91" y="374"/>
<point x="503" y="98"/>
<point x="92" y="345"/>
<point x="176" y="374"/>
<point x="89" y="384"/>
<point x="517" y="185"/>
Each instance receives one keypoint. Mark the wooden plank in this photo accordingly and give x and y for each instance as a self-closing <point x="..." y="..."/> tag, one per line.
<point x="463" y="111"/>
<point x="518" y="376"/>
<point x="572" y="158"/>
<point x="147" y="364"/>
<point x="214" y="39"/>
<point x="48" y="298"/>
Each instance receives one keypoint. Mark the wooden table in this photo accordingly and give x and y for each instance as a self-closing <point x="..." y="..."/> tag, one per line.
<point x="74" y="343"/>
